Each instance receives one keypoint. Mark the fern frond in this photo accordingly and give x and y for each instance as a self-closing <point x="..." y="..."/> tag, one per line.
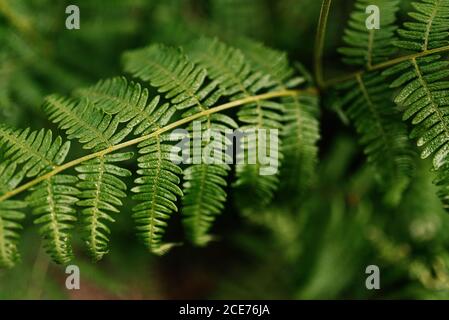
<point x="34" y="150"/>
<point x="430" y="27"/>
<point x="157" y="190"/>
<point x="367" y="100"/>
<point x="300" y="126"/>
<point x="101" y="183"/>
<point x="421" y="82"/>
<point x="101" y="117"/>
<point x="102" y="189"/>
<point x="129" y="102"/>
<point x="381" y="132"/>
<point x="169" y="70"/>
<point x="236" y="78"/>
<point x="423" y="97"/>
<point x="366" y="47"/>
<point x="52" y="201"/>
<point x="10" y="216"/>
<point x="9" y="227"/>
<point x="184" y="84"/>
<point x="81" y="120"/>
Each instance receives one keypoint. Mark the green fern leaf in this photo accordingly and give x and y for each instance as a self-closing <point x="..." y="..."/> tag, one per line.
<point x="169" y="70"/>
<point x="430" y="27"/>
<point x="102" y="116"/>
<point x="184" y="84"/>
<point x="100" y="179"/>
<point x="35" y="151"/>
<point x="52" y="201"/>
<point x="10" y="216"/>
<point x="83" y="121"/>
<point x="157" y="189"/>
<point x="381" y="132"/>
<point x="367" y="47"/>
<point x="236" y="78"/>
<point x="300" y="126"/>
<point x="423" y="97"/>
<point x="422" y="87"/>
<point x="102" y="189"/>
<point x="367" y="100"/>
<point x="129" y="101"/>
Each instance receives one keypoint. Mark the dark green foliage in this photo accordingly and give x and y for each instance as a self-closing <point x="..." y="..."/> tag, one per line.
<point x="228" y="66"/>
<point x="130" y="102"/>
<point x="422" y="85"/>
<point x="35" y="151"/>
<point x="52" y="202"/>
<point x="158" y="190"/>
<point x="103" y="116"/>
<point x="102" y="188"/>
<point x="367" y="100"/>
<point x="300" y="127"/>
<point x="366" y="47"/>
<point x="84" y="122"/>
<point x="183" y="83"/>
<point x="131" y="169"/>
<point x="429" y="28"/>
<point x="10" y="216"/>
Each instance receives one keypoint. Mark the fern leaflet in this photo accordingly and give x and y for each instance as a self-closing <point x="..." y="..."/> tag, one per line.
<point x="423" y="90"/>
<point x="184" y="84"/>
<point x="367" y="100"/>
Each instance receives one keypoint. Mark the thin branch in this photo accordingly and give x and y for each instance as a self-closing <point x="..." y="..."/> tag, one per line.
<point x="384" y="65"/>
<point x="389" y="63"/>
<point x="73" y="163"/>
<point x="332" y="82"/>
<point x="319" y="42"/>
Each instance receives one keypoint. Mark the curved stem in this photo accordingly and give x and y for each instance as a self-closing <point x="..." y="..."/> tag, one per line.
<point x="384" y="65"/>
<point x="340" y="79"/>
<point x="319" y="42"/>
<point x="73" y="163"/>
<point x="397" y="60"/>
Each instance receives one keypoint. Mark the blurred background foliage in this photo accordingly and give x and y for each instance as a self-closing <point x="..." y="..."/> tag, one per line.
<point x="315" y="248"/>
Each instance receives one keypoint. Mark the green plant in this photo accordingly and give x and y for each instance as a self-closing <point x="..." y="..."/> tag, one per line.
<point x="419" y="76"/>
<point x="110" y="144"/>
<point x="101" y="118"/>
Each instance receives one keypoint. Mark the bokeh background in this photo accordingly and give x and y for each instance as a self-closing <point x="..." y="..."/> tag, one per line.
<point x="316" y="248"/>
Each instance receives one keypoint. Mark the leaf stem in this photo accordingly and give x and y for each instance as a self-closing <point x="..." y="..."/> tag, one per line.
<point x="384" y="65"/>
<point x="319" y="42"/>
<point x="73" y="163"/>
